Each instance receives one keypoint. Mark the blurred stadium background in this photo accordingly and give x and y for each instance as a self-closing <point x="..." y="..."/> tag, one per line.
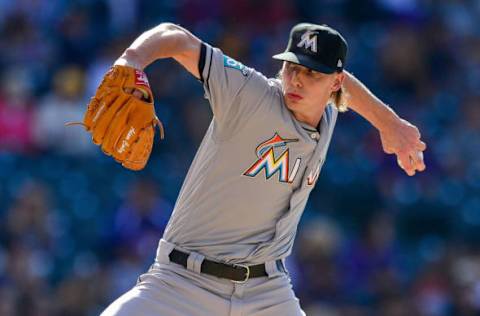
<point x="372" y="241"/>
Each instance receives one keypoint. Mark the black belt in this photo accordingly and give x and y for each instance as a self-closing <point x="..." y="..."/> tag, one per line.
<point x="235" y="272"/>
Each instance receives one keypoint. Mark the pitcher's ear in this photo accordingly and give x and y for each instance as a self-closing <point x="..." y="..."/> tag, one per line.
<point x="337" y="84"/>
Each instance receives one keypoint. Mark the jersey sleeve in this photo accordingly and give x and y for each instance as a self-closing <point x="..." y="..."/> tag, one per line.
<point x="233" y="90"/>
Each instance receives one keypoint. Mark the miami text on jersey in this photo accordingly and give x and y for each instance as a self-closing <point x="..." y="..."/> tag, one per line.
<point x="313" y="176"/>
<point x="266" y="160"/>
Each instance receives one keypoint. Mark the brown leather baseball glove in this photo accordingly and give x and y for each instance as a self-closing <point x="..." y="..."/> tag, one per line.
<point x="121" y="123"/>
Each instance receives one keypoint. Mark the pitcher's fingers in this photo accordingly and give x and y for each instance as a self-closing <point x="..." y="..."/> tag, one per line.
<point x="138" y="94"/>
<point x="419" y="163"/>
<point x="421" y="146"/>
<point x="135" y="92"/>
<point x="404" y="161"/>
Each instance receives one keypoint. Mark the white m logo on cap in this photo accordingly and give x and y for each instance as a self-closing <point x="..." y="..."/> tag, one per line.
<point x="308" y="41"/>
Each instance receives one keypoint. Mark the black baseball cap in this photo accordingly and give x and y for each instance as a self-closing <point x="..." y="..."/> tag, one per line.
<point x="318" y="47"/>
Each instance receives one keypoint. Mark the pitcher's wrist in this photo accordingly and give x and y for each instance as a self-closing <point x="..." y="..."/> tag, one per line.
<point x="129" y="58"/>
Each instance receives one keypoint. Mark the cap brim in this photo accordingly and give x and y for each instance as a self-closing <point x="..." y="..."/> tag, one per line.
<point x="304" y="60"/>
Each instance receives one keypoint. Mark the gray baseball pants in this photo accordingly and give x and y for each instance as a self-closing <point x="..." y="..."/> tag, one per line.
<point x="168" y="289"/>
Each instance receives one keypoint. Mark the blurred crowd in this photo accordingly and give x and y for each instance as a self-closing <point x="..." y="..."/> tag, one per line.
<point x="76" y="229"/>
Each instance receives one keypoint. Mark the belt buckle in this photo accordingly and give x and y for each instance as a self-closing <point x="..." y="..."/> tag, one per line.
<point x="247" y="274"/>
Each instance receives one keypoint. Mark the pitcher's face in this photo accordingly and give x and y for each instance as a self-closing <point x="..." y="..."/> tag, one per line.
<point x="307" y="91"/>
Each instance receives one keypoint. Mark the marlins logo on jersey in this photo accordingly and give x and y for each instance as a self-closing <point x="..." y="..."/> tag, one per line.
<point x="232" y="63"/>
<point x="267" y="160"/>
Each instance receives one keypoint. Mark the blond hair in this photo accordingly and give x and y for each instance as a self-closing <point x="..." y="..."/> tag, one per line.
<point x="340" y="99"/>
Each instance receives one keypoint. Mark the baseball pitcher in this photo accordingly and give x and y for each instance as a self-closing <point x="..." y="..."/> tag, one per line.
<point x="235" y="219"/>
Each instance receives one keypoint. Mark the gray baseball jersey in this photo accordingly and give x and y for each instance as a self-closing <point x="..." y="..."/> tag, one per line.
<point x="248" y="185"/>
